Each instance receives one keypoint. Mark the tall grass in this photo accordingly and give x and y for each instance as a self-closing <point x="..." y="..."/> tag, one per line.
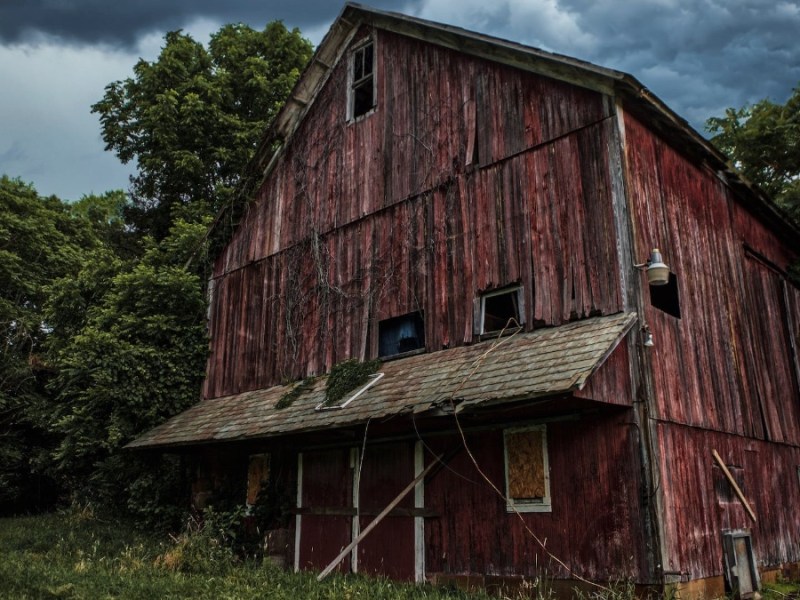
<point x="76" y="556"/>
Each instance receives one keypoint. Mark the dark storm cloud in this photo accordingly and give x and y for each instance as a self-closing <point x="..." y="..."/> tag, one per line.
<point x="121" y="23"/>
<point x="699" y="56"/>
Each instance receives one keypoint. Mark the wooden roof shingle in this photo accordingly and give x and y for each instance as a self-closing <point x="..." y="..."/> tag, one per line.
<point x="518" y="367"/>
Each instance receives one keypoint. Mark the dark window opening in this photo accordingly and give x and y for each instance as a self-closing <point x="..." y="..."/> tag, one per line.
<point x="501" y="310"/>
<point x="363" y="84"/>
<point x="401" y="334"/>
<point x="665" y="297"/>
<point x="723" y="487"/>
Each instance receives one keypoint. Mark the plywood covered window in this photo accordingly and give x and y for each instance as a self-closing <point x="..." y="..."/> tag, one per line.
<point x="257" y="476"/>
<point x="527" y="469"/>
<point x="362" y="88"/>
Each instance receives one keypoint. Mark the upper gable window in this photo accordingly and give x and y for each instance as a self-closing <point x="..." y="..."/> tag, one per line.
<point x="401" y="334"/>
<point x="499" y="310"/>
<point x="362" y="81"/>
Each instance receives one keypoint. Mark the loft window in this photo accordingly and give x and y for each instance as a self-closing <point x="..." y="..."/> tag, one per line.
<point x="499" y="310"/>
<point x="362" y="81"/>
<point x="665" y="297"/>
<point x="527" y="469"/>
<point x="401" y="334"/>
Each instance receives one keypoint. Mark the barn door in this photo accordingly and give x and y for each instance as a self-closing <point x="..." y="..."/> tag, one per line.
<point x="325" y="513"/>
<point x="339" y="494"/>
<point x="390" y="549"/>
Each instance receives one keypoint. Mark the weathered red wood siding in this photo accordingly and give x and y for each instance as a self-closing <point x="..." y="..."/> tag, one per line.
<point x="377" y="218"/>
<point x="697" y="513"/>
<point x="595" y="526"/>
<point x="389" y="549"/>
<point x="326" y="482"/>
<point x="710" y="365"/>
<point x="728" y="365"/>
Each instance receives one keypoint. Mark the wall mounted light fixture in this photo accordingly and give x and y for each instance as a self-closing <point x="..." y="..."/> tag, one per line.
<point x="657" y="271"/>
<point x="647" y="337"/>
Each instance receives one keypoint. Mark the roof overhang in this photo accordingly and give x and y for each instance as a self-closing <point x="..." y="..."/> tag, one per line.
<point x="516" y="368"/>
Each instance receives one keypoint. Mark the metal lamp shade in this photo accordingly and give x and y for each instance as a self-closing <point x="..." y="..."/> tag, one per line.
<point x="657" y="271"/>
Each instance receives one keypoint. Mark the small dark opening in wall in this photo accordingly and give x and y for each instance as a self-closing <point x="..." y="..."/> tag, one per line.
<point x="666" y="298"/>
<point x="401" y="334"/>
<point x="501" y="310"/>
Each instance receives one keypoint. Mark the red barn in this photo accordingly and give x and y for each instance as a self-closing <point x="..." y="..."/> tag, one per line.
<point x="481" y="216"/>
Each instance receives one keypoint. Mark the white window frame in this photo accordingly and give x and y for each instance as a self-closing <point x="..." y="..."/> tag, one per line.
<point x="521" y="505"/>
<point x="351" y="80"/>
<point x="480" y="328"/>
<point x="373" y="379"/>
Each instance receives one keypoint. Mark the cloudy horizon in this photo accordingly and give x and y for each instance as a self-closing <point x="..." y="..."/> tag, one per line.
<point x="56" y="57"/>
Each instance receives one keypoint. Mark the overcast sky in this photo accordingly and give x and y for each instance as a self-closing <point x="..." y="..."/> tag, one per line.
<point x="56" y="56"/>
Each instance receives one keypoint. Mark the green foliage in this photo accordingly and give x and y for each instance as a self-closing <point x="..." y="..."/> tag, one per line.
<point x="135" y="358"/>
<point x="293" y="393"/>
<point x="346" y="376"/>
<point x="192" y="119"/>
<point x="763" y="140"/>
<point x="205" y="545"/>
<point x="39" y="241"/>
<point x="77" y="556"/>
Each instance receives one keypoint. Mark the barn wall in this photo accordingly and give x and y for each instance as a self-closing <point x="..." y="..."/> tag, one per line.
<point x="725" y="374"/>
<point x="700" y="504"/>
<point x="468" y="176"/>
<point x="727" y="364"/>
<point x="595" y="527"/>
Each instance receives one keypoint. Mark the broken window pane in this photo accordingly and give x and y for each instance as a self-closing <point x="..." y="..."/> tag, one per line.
<point x="362" y="87"/>
<point x="501" y="310"/>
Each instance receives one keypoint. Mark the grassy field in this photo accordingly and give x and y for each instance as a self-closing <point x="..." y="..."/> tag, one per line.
<point x="74" y="556"/>
<point x="71" y="556"/>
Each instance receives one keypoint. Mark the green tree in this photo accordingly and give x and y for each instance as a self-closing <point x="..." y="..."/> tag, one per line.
<point x="192" y="119"/>
<point x="763" y="140"/>
<point x="105" y="214"/>
<point x="129" y="345"/>
<point x="40" y="241"/>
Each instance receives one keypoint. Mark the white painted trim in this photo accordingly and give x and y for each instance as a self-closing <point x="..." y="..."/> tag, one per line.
<point x="298" y="518"/>
<point x="364" y="42"/>
<point x="373" y="379"/>
<point x="419" y="522"/>
<point x="518" y="289"/>
<point x="356" y="524"/>
<point x="546" y="504"/>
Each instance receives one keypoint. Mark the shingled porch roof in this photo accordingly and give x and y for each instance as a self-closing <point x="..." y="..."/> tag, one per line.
<point x="523" y="366"/>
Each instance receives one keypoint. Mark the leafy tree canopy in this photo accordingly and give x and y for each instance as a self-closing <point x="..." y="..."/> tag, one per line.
<point x="40" y="241"/>
<point x="192" y="119"/>
<point x="763" y="140"/>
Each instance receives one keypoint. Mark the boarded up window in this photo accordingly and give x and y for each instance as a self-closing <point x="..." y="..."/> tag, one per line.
<point x="257" y="476"/>
<point x="527" y="470"/>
